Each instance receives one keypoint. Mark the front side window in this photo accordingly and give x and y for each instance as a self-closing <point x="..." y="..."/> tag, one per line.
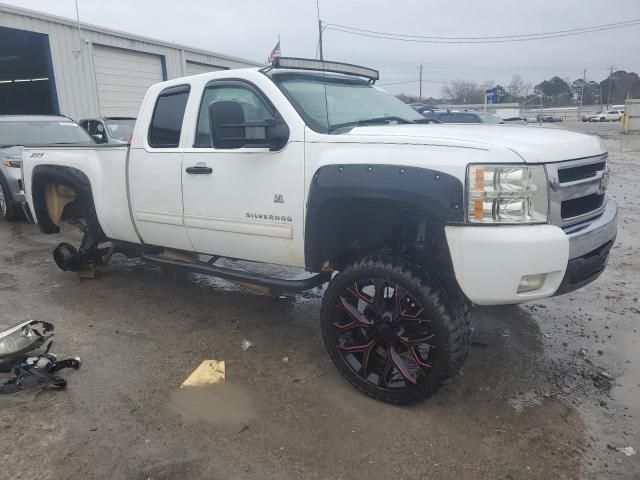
<point x="253" y="108"/>
<point x="166" y="123"/>
<point x="333" y="104"/>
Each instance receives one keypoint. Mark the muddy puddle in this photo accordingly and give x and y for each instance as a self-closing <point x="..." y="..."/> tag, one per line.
<point x="221" y="405"/>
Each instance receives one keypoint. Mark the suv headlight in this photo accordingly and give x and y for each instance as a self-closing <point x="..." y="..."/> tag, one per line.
<point x="507" y="194"/>
<point x="14" y="161"/>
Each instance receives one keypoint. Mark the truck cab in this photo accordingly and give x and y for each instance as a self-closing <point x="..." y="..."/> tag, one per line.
<point x="309" y="164"/>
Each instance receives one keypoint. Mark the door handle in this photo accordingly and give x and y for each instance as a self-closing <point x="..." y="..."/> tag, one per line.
<point x="199" y="170"/>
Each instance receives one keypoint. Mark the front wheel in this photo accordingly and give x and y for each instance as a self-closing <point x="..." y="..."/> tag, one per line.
<point x="391" y="332"/>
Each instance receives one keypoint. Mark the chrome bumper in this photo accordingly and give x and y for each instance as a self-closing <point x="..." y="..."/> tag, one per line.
<point x="589" y="247"/>
<point x="588" y="236"/>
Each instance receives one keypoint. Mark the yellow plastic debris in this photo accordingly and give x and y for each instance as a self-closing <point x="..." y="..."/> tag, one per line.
<point x="208" y="373"/>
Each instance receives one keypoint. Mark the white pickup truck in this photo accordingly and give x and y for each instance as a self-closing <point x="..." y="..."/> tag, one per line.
<point x="308" y="164"/>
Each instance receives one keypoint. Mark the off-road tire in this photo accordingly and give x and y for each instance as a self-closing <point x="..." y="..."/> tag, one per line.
<point x="448" y="314"/>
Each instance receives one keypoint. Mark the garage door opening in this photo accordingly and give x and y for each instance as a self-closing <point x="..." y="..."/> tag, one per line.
<point x="27" y="84"/>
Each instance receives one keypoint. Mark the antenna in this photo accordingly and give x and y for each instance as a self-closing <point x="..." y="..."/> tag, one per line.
<point x="79" y="51"/>
<point x="324" y="73"/>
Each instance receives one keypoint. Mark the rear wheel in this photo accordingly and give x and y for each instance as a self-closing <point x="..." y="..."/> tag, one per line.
<point x="602" y="119"/>
<point x="391" y="332"/>
<point x="8" y="209"/>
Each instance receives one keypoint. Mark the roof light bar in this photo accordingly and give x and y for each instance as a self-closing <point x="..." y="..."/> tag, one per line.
<point x="321" y="65"/>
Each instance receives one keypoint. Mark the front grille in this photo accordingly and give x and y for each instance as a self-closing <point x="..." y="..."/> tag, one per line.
<point x="572" y="174"/>
<point x="577" y="190"/>
<point x="579" y="206"/>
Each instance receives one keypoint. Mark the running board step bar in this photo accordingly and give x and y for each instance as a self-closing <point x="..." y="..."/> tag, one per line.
<point x="240" y="276"/>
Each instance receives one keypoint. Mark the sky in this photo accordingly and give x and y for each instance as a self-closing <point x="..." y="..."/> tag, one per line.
<point x="250" y="29"/>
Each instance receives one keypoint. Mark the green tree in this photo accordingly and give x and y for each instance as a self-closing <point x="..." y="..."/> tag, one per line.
<point x="555" y="91"/>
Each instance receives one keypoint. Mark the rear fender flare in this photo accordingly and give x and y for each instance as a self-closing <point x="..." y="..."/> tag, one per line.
<point x="73" y="178"/>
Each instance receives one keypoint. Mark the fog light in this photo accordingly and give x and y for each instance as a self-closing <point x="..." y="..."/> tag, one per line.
<point x="529" y="283"/>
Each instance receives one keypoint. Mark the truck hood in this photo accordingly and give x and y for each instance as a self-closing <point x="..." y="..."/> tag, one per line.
<point x="533" y="144"/>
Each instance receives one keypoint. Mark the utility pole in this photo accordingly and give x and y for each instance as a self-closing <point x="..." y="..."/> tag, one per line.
<point x="420" y="95"/>
<point x="320" y="39"/>
<point x="610" y="82"/>
<point x="581" y="100"/>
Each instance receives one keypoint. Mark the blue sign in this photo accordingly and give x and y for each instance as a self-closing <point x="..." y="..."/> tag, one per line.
<point x="492" y="95"/>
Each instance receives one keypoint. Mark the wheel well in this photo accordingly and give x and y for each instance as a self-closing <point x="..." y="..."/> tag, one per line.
<point x="345" y="229"/>
<point x="63" y="193"/>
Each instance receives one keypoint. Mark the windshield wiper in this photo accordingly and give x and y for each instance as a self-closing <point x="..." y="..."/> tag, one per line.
<point x="369" y="121"/>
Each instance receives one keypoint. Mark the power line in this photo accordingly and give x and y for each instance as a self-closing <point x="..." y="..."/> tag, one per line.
<point x="479" y="40"/>
<point x="492" y="37"/>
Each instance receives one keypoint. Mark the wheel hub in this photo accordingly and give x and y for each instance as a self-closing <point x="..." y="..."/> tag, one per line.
<point x="386" y="333"/>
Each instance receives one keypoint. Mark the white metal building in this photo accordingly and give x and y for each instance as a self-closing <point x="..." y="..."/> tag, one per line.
<point x="49" y="64"/>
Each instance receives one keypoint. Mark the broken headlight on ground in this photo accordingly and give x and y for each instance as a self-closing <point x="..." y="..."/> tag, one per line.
<point x="24" y="366"/>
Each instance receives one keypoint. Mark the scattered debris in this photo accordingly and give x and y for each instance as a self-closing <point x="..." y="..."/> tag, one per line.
<point x="208" y="372"/>
<point x="243" y="428"/>
<point x="628" y="451"/>
<point x="583" y="352"/>
<point x="285" y="359"/>
<point x="246" y="345"/>
<point x="37" y="371"/>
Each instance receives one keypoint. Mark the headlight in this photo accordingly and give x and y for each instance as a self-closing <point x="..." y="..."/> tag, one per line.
<point x="22" y="338"/>
<point x="507" y="194"/>
<point x="12" y="161"/>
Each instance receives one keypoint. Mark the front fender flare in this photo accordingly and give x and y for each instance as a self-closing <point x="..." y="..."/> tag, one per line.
<point x="437" y="194"/>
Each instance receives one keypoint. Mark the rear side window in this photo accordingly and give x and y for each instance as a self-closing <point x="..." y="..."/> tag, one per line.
<point x="166" y="123"/>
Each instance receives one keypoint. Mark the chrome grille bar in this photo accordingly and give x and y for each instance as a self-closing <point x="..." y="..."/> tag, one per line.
<point x="559" y="192"/>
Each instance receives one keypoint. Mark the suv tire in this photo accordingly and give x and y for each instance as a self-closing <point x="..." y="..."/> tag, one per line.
<point x="8" y="209"/>
<point x="391" y="331"/>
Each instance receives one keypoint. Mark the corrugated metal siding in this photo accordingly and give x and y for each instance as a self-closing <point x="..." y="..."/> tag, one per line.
<point x="73" y="62"/>
<point x="122" y="78"/>
<point x="194" y="68"/>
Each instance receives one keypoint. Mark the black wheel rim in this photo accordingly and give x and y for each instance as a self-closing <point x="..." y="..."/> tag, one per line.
<point x="383" y="334"/>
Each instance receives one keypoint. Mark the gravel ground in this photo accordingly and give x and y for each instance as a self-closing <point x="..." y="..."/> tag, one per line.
<point x="531" y="401"/>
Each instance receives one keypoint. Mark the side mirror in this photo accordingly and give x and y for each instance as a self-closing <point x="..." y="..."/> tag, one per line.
<point x="229" y="129"/>
<point x="99" y="138"/>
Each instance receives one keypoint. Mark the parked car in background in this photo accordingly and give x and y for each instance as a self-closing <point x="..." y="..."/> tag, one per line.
<point x="549" y="118"/>
<point x="450" y="116"/>
<point x="515" y="120"/>
<point x="424" y="107"/>
<point x="109" y="129"/>
<point x="17" y="131"/>
<point x="607" y="116"/>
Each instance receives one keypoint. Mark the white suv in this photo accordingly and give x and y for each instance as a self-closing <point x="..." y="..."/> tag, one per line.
<point x="607" y="116"/>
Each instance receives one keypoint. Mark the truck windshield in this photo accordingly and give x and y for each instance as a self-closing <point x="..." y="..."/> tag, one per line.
<point x="48" y="132"/>
<point x="120" y="128"/>
<point x="349" y="102"/>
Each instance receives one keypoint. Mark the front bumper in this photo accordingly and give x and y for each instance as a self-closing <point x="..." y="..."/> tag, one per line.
<point x="490" y="261"/>
<point x="589" y="247"/>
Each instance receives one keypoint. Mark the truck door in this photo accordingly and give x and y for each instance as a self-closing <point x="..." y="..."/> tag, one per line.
<point x="155" y="166"/>
<point x="240" y="199"/>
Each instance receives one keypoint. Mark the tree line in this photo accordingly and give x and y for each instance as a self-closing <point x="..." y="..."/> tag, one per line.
<point x="556" y="91"/>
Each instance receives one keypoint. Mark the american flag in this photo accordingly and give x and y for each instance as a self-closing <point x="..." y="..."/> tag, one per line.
<point x="275" y="53"/>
